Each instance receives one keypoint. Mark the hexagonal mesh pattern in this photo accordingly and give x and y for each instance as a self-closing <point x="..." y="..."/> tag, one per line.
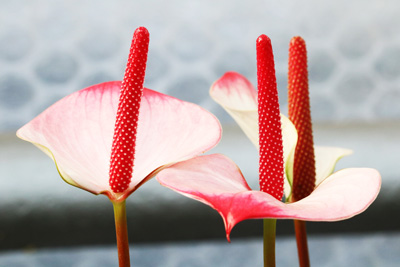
<point x="49" y="49"/>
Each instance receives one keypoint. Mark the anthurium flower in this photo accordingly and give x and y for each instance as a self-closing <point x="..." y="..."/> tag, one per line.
<point x="239" y="98"/>
<point x="216" y="181"/>
<point x="112" y="137"/>
<point x="77" y="133"/>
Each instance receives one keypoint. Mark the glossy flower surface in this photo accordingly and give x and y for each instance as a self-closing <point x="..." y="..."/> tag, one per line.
<point x="77" y="133"/>
<point x="216" y="181"/>
<point x="239" y="98"/>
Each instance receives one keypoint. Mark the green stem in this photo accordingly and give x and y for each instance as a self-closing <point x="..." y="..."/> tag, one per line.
<point x="301" y="239"/>
<point x="269" y="242"/>
<point x="121" y="230"/>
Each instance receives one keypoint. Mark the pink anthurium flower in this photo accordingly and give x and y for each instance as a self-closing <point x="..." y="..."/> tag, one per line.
<point x="112" y="137"/>
<point x="239" y="98"/>
<point x="216" y="180"/>
<point x="306" y="165"/>
<point x="77" y="133"/>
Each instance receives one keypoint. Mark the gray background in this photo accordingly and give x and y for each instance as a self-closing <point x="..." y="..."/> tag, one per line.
<point x="52" y="48"/>
<point x="49" y="49"/>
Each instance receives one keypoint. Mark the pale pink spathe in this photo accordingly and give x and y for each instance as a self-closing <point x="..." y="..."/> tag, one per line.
<point x="77" y="133"/>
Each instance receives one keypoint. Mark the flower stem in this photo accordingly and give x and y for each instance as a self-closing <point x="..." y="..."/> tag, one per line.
<point x="301" y="239"/>
<point x="122" y="233"/>
<point x="269" y="242"/>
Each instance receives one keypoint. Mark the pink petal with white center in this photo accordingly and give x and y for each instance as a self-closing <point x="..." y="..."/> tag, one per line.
<point x="216" y="181"/>
<point x="239" y="98"/>
<point x="234" y="91"/>
<point x="77" y="132"/>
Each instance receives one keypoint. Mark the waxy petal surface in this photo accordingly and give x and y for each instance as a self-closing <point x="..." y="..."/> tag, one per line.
<point x="239" y="98"/>
<point x="216" y="181"/>
<point x="77" y="132"/>
<point x="326" y="159"/>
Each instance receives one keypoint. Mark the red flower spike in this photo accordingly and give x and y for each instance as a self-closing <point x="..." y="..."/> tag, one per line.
<point x="269" y="122"/>
<point x="299" y="113"/>
<point x="123" y="147"/>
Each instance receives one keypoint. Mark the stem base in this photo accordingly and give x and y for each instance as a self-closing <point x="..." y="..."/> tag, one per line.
<point x="269" y="242"/>
<point x="302" y="246"/>
<point x="121" y="230"/>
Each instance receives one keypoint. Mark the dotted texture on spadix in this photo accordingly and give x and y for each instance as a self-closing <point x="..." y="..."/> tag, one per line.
<point x="269" y="121"/>
<point x="123" y="147"/>
<point x="300" y="115"/>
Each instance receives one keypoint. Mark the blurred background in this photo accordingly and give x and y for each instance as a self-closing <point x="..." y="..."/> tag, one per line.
<point x="49" y="49"/>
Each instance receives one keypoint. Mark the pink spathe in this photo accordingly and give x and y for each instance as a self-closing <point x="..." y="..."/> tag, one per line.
<point x="77" y="133"/>
<point x="216" y="181"/>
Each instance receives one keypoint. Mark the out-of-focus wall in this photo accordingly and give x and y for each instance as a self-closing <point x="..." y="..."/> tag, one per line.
<point x="49" y="49"/>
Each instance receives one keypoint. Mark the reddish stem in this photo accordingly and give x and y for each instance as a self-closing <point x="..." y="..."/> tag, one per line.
<point x="121" y="230"/>
<point x="302" y="246"/>
<point x="269" y="242"/>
